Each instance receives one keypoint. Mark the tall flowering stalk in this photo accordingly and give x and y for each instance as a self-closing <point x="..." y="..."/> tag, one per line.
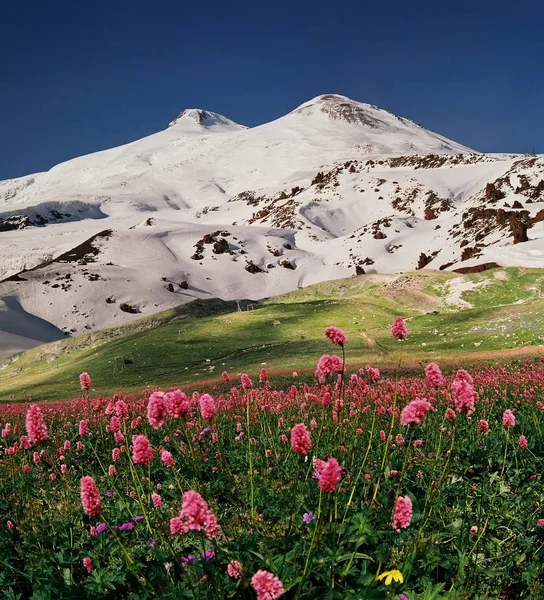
<point x="399" y="332"/>
<point x="246" y="385"/>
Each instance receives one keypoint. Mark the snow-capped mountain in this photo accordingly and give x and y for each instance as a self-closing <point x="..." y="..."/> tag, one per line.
<point x="209" y="207"/>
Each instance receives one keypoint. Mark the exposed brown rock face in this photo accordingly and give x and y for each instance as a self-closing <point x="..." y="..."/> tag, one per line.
<point x="477" y="268"/>
<point x="469" y="253"/>
<point x="253" y="268"/>
<point x="423" y="261"/>
<point x="493" y="193"/>
<point x="430" y="214"/>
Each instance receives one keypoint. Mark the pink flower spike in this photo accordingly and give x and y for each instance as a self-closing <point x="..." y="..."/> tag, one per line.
<point x="156" y="410"/>
<point x="85" y="381"/>
<point x="330" y="476"/>
<point x="398" y="329"/>
<point x="433" y="375"/>
<point x="142" y="452"/>
<point x="207" y="407"/>
<point x="300" y="439"/>
<point x="402" y="513"/>
<point x="234" y="569"/>
<point x="267" y="585"/>
<point x="90" y="497"/>
<point x="35" y="425"/>
<point x="336" y="336"/>
<point x="523" y="442"/>
<point x="414" y="412"/>
<point x="88" y="564"/>
<point x="508" y="419"/>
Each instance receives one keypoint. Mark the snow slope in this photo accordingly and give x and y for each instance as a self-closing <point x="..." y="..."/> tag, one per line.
<point x="208" y="207"/>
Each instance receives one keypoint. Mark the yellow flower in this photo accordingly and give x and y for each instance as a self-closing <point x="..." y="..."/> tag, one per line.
<point x="393" y="575"/>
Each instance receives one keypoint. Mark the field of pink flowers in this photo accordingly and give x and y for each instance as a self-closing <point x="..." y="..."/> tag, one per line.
<point x="354" y="485"/>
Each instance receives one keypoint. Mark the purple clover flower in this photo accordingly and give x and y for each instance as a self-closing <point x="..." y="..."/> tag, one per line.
<point x="308" y="517"/>
<point x="205" y="431"/>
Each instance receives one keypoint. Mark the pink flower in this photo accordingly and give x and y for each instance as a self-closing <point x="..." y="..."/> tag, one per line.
<point x="328" y="365"/>
<point x="166" y="458"/>
<point x="121" y="409"/>
<point x="508" y="419"/>
<point x="225" y="376"/>
<point x="300" y="439"/>
<point x="414" y="412"/>
<point x="523" y="442"/>
<point x="84" y="427"/>
<point x="35" y="425"/>
<point x="112" y="471"/>
<point x="267" y="586"/>
<point x="483" y="425"/>
<point x="156" y="410"/>
<point x="473" y="530"/>
<point x="177" y="403"/>
<point x="402" y="513"/>
<point x="234" y="569"/>
<point x="10" y="525"/>
<point x="336" y="336"/>
<point x="195" y="515"/>
<point x="398" y="329"/>
<point x="85" y="381"/>
<point x="433" y="374"/>
<point x="450" y="415"/>
<point x="90" y="497"/>
<point x="88" y="563"/>
<point x="330" y="476"/>
<point x="142" y="452"/>
<point x="464" y="394"/>
<point x="540" y="523"/>
<point x="246" y="381"/>
<point x="207" y="407"/>
<point x="115" y="454"/>
<point x="157" y="500"/>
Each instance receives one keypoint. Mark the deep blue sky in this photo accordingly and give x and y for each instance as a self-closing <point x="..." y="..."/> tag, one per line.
<point x="80" y="76"/>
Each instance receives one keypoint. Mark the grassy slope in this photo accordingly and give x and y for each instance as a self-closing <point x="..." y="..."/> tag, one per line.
<point x="182" y="346"/>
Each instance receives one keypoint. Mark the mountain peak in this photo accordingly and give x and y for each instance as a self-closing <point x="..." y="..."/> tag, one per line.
<point x="342" y="108"/>
<point x="204" y="118"/>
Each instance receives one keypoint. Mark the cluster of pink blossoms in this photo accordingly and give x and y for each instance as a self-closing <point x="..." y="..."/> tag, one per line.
<point x="328" y="365"/>
<point x="330" y="475"/>
<point x="508" y="419"/>
<point x="195" y="515"/>
<point x="398" y="329"/>
<point x="300" y="439"/>
<point x="177" y="403"/>
<point x="433" y="375"/>
<point x="414" y="412"/>
<point x="336" y="335"/>
<point x="464" y="394"/>
<point x="90" y="497"/>
<point x="207" y="407"/>
<point x="156" y="410"/>
<point x="85" y="381"/>
<point x="142" y="451"/>
<point x="402" y="513"/>
<point x="35" y="425"/>
<point x="267" y="585"/>
<point x="234" y="569"/>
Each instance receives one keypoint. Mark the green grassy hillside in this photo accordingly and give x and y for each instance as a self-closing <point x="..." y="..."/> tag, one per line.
<point x="450" y="318"/>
